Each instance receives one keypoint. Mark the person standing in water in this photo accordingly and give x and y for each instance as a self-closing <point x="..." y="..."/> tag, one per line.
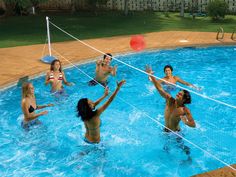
<point x="168" y="69"/>
<point x="103" y="70"/>
<point x="28" y="105"/>
<point x="91" y="116"/>
<point x="175" y="109"/>
<point x="55" y="77"/>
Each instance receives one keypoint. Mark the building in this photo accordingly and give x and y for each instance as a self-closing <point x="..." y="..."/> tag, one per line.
<point x="134" y="5"/>
<point x="164" y="5"/>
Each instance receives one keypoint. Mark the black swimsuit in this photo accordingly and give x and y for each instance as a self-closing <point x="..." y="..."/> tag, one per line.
<point x="31" y="109"/>
<point x="26" y="125"/>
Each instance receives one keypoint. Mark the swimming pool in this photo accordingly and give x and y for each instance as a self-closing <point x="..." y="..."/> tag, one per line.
<point x="132" y="143"/>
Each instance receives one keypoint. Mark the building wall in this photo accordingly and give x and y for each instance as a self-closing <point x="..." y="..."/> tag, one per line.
<point x="162" y="5"/>
<point x="134" y="5"/>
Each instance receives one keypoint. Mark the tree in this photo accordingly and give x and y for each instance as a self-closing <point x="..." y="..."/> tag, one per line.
<point x="126" y="8"/>
<point x="19" y="7"/>
<point x="194" y="8"/>
<point x="96" y="3"/>
<point x="182" y="8"/>
<point x="217" y="9"/>
<point x="166" y="8"/>
<point x="10" y="5"/>
<point x="36" y="3"/>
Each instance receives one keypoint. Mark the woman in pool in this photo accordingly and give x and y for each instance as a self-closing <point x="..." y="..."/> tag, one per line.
<point x="91" y="117"/>
<point x="28" y="104"/>
<point x="55" y="77"/>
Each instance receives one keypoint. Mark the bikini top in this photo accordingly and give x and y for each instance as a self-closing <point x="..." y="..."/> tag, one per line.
<point x="51" y="76"/>
<point x="31" y="109"/>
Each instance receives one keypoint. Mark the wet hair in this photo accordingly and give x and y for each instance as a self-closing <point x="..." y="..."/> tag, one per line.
<point x="186" y="97"/>
<point x="168" y="66"/>
<point x="107" y="54"/>
<point x="53" y="63"/>
<point x="25" y="89"/>
<point x="84" y="110"/>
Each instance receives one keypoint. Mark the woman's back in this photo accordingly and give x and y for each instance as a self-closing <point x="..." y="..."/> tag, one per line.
<point x="93" y="129"/>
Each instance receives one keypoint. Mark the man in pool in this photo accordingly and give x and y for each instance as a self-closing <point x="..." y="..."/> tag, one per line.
<point x="168" y="69"/>
<point x="175" y="109"/>
<point x="103" y="70"/>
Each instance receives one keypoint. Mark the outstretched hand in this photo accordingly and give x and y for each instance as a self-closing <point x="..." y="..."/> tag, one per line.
<point x="148" y="69"/>
<point x="119" y="84"/>
<point x="50" y="105"/>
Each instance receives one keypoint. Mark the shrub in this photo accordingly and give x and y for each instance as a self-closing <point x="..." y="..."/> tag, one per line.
<point x="2" y="11"/>
<point x="217" y="9"/>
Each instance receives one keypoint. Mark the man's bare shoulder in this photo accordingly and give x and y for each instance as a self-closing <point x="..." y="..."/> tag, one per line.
<point x="176" y="78"/>
<point x="171" y="101"/>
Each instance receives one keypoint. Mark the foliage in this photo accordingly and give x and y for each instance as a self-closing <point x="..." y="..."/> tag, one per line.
<point x="19" y="7"/>
<point x="96" y="3"/>
<point x="217" y="9"/>
<point x="36" y="3"/>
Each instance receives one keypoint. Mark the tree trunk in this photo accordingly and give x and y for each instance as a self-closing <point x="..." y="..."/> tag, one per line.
<point x="73" y="6"/>
<point x="9" y="8"/>
<point x="182" y="8"/>
<point x="126" y="7"/>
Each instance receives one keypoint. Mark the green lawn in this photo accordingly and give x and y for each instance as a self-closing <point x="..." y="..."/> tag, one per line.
<point x="27" y="30"/>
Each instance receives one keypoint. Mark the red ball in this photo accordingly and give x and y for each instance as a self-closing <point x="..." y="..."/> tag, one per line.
<point x="137" y="42"/>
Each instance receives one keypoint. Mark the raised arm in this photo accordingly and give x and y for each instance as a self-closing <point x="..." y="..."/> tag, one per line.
<point x="100" y="99"/>
<point x="113" y="71"/>
<point x="187" y="118"/>
<point x="27" y="115"/>
<point x="108" y="102"/>
<point x="98" y="64"/>
<point x="157" y="84"/>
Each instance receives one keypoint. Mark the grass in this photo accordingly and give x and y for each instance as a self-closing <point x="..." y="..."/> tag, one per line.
<point x="28" y="30"/>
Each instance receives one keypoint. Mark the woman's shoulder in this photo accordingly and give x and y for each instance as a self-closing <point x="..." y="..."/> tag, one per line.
<point x="25" y="101"/>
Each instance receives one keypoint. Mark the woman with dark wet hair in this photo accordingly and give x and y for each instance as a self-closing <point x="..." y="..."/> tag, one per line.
<point x="91" y="116"/>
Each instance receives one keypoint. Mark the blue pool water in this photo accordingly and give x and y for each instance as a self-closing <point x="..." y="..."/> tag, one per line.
<point x="132" y="143"/>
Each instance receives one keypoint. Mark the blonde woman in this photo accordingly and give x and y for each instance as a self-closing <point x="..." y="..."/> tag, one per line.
<point x="28" y="104"/>
<point x="56" y="76"/>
